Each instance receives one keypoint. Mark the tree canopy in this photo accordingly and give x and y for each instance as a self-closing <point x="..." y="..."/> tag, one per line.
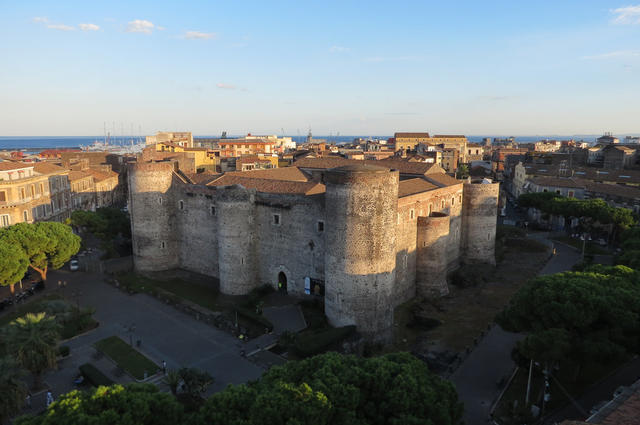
<point x="592" y="315"/>
<point x="12" y="388"/>
<point x="331" y="388"/>
<point x="13" y="263"/>
<point x="46" y="244"/>
<point x="105" y="223"/>
<point x="595" y="209"/>
<point x="32" y="340"/>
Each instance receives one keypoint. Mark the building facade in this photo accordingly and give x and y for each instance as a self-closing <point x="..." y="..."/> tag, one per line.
<point x="371" y="236"/>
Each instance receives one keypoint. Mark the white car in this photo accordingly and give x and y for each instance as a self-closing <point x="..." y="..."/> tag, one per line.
<point x="74" y="265"/>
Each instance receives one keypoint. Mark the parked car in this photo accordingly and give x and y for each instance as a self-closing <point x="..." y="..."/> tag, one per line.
<point x="602" y="242"/>
<point x="74" y="265"/>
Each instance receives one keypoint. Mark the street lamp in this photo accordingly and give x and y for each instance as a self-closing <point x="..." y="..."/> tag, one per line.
<point x="130" y="329"/>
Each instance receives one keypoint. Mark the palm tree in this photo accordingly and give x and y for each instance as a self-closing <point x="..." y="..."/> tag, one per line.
<point x="32" y="340"/>
<point x="172" y="379"/>
<point x="13" y="390"/>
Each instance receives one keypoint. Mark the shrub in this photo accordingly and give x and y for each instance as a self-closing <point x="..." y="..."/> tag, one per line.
<point x="63" y="350"/>
<point x="311" y="344"/>
<point x="94" y="376"/>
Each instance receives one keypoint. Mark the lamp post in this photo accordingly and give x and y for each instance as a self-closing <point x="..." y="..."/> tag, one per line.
<point x="130" y="330"/>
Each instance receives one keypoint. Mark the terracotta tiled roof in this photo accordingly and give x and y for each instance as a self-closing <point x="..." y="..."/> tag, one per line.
<point x="77" y="175"/>
<point x="413" y="186"/>
<point x="411" y="135"/>
<point x="626" y="414"/>
<point x="404" y="167"/>
<point x="101" y="175"/>
<point x="442" y="180"/>
<point x="8" y="165"/>
<point x="270" y="186"/>
<point x="560" y="182"/>
<point x="48" y="168"/>
<point x="449" y="136"/>
<point x="202" y="178"/>
<point x="614" y="189"/>
<point x="285" y="173"/>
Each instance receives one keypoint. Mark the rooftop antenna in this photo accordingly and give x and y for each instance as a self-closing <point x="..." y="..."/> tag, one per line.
<point x="104" y="131"/>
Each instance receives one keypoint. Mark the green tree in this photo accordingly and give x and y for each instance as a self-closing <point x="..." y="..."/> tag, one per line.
<point x="337" y="389"/>
<point x="13" y="391"/>
<point x="13" y="264"/>
<point x="46" y="244"/>
<point x="195" y="381"/>
<point x="32" y="340"/>
<point x="135" y="404"/>
<point x="578" y="317"/>
<point x="172" y="379"/>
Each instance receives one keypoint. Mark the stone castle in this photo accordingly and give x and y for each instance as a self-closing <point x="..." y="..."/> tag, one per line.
<point x="368" y="235"/>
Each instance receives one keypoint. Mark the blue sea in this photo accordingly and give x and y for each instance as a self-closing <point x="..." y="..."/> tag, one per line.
<point x="37" y="143"/>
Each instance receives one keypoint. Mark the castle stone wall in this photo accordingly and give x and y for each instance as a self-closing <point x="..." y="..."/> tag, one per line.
<point x="295" y="246"/>
<point x="197" y="228"/>
<point x="155" y="245"/>
<point x="360" y="261"/>
<point x="479" y="221"/>
<point x="432" y="260"/>
<point x="237" y="261"/>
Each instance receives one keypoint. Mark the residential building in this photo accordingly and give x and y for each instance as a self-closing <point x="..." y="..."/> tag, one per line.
<point x="239" y="147"/>
<point x="409" y="141"/>
<point x="182" y="138"/>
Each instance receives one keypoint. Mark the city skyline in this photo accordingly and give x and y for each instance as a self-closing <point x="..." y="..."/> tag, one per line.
<point x="494" y="68"/>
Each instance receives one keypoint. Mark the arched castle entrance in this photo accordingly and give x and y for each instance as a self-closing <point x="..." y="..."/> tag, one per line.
<point x="282" y="282"/>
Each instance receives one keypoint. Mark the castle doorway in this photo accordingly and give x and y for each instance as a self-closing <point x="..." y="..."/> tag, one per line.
<point x="282" y="282"/>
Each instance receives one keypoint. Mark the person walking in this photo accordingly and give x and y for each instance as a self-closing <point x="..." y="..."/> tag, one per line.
<point x="49" y="398"/>
<point x="28" y="400"/>
<point x="164" y="367"/>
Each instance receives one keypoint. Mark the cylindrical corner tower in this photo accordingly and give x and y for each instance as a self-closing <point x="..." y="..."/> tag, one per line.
<point x="236" y="248"/>
<point x="361" y="204"/>
<point x="152" y="216"/>
<point x="431" y="260"/>
<point x="479" y="221"/>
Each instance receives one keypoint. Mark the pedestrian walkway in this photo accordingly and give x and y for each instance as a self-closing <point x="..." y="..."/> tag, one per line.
<point x="482" y="375"/>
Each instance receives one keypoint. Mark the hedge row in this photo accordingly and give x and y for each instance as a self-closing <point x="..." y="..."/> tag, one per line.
<point x="94" y="376"/>
<point x="312" y="344"/>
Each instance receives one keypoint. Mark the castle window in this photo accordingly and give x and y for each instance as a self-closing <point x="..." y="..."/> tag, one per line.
<point x="320" y="226"/>
<point x="488" y="236"/>
<point x="412" y="214"/>
<point x="181" y="205"/>
<point x="160" y="200"/>
<point x="162" y="245"/>
<point x="429" y="210"/>
<point x="276" y="219"/>
<point x="212" y="210"/>
<point x="453" y="201"/>
<point x="444" y="203"/>
<point x="460" y="197"/>
<point x="4" y="220"/>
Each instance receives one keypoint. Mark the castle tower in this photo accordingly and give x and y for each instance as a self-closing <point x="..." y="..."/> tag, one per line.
<point x="236" y="247"/>
<point x="152" y="211"/>
<point x="431" y="259"/>
<point x="479" y="221"/>
<point x="361" y="204"/>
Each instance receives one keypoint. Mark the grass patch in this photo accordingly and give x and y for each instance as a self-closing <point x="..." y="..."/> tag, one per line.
<point x="504" y="231"/>
<point x="128" y="358"/>
<point x="526" y="245"/>
<point x="30" y="307"/>
<point x="206" y="296"/>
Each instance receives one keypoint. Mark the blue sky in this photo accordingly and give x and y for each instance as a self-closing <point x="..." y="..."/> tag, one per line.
<point x="366" y="67"/>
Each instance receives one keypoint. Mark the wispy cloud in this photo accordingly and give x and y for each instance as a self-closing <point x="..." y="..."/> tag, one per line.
<point x="391" y="58"/>
<point x="226" y="86"/>
<point x="339" y="49"/>
<point x="140" y="25"/>
<point x="628" y="15"/>
<point x="88" y="27"/>
<point x="612" y="55"/>
<point x="60" y="27"/>
<point x="197" y="35"/>
<point x="45" y="21"/>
